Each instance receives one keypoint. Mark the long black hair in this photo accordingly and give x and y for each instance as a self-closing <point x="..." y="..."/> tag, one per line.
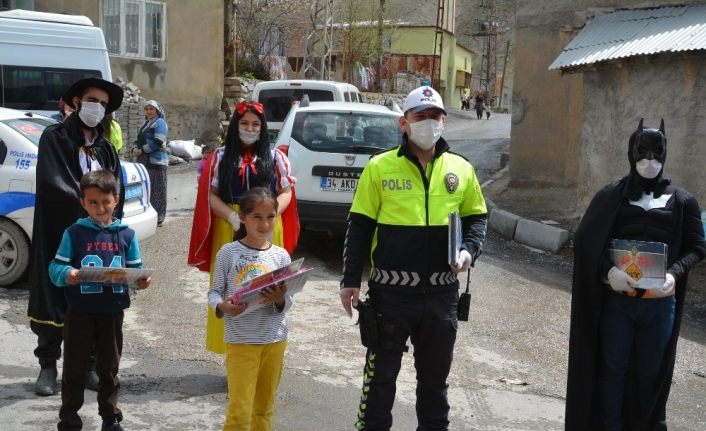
<point x="228" y="166"/>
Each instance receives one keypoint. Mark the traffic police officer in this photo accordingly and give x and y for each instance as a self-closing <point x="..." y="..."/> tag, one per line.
<point x="399" y="218"/>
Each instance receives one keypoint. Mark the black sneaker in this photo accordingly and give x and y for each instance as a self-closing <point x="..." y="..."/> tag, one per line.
<point x="111" y="425"/>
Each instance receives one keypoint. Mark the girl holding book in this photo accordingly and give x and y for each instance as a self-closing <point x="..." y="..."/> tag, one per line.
<point x="256" y="341"/>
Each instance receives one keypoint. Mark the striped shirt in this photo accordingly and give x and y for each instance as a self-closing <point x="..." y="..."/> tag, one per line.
<point x="236" y="263"/>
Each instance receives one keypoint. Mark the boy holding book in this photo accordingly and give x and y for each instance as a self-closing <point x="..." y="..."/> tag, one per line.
<point x="94" y="318"/>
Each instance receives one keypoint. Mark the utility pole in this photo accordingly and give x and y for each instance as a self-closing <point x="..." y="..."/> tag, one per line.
<point x="438" y="43"/>
<point x="229" y="35"/>
<point x="381" y="15"/>
<point x="502" y="78"/>
<point x="489" y="32"/>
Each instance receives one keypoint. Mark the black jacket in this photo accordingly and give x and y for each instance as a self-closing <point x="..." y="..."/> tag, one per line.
<point x="57" y="207"/>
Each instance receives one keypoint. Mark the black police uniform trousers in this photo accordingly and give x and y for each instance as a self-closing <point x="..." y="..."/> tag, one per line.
<point x="430" y="321"/>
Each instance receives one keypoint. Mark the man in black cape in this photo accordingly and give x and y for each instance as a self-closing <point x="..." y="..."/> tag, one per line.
<point x="640" y="206"/>
<point x="66" y="151"/>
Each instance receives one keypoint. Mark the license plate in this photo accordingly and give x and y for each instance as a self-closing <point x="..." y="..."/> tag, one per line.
<point x="133" y="191"/>
<point x="329" y="184"/>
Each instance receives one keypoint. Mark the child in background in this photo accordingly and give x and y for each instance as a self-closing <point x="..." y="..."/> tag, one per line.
<point x="255" y="342"/>
<point x="206" y="151"/>
<point x="94" y="318"/>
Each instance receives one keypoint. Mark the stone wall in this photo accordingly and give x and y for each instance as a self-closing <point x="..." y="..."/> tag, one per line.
<point x="130" y="116"/>
<point x="381" y="98"/>
<point x="615" y="98"/>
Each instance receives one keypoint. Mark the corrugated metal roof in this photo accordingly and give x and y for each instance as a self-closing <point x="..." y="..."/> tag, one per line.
<point x="629" y="33"/>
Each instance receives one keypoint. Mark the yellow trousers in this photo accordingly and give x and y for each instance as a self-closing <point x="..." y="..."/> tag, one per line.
<point x="223" y="234"/>
<point x="254" y="372"/>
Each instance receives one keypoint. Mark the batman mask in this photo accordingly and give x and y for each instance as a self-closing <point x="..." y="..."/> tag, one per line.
<point x="647" y="153"/>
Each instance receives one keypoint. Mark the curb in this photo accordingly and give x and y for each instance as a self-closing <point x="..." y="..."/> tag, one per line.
<point x="524" y="231"/>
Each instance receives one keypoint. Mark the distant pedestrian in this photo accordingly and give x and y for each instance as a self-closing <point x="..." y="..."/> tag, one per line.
<point x="479" y="105"/>
<point x="94" y="318"/>
<point x="206" y="152"/>
<point x="623" y="339"/>
<point x="487" y="113"/>
<point x="255" y="342"/>
<point x="150" y="149"/>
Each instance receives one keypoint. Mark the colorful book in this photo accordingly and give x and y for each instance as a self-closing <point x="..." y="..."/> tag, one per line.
<point x="293" y="275"/>
<point x="644" y="261"/>
<point x="113" y="275"/>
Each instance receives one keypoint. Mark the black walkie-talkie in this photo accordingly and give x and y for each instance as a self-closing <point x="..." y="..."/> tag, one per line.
<point x="464" y="301"/>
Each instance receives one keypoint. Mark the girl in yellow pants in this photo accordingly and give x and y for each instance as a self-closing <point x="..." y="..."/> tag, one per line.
<point x="255" y="335"/>
<point x="254" y="372"/>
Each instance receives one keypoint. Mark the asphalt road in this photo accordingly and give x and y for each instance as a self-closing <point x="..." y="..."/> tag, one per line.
<point x="509" y="371"/>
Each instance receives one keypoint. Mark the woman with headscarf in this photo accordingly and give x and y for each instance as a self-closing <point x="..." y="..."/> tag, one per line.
<point x="245" y="161"/>
<point x="150" y="149"/>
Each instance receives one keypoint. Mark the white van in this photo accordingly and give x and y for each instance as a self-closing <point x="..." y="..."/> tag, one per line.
<point x="42" y="54"/>
<point x="277" y="96"/>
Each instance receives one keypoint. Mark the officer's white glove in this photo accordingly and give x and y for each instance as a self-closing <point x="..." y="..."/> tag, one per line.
<point x="620" y="281"/>
<point x="234" y="220"/>
<point x="667" y="288"/>
<point x="463" y="262"/>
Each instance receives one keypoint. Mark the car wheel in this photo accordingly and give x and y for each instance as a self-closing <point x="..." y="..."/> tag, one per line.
<point x="14" y="253"/>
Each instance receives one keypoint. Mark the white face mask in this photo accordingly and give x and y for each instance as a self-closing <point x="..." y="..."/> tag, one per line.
<point x="91" y="113"/>
<point x="425" y="133"/>
<point x="648" y="169"/>
<point x="248" y="137"/>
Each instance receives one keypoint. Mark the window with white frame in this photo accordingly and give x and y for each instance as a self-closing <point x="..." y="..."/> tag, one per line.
<point x="135" y="28"/>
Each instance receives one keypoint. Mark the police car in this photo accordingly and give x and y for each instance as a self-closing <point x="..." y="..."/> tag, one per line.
<point x="19" y="137"/>
<point x="328" y="144"/>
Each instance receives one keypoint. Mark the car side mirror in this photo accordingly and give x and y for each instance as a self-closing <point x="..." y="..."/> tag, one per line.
<point x="3" y="152"/>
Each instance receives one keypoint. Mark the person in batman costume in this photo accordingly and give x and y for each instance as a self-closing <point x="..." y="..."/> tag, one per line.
<point x="66" y="152"/>
<point x="623" y="339"/>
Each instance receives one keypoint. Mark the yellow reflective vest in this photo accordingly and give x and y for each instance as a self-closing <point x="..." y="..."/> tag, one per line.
<point x="406" y="210"/>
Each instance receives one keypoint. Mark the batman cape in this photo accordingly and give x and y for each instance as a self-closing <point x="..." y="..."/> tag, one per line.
<point x="590" y="240"/>
<point x="57" y="207"/>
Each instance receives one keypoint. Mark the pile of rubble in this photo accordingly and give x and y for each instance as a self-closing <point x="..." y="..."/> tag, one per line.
<point x="132" y="92"/>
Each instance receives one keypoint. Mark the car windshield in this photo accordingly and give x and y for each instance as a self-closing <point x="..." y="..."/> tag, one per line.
<point x="278" y="102"/>
<point x="30" y="128"/>
<point x="346" y="132"/>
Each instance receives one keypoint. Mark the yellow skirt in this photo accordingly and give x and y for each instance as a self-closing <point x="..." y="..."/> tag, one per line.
<point x="223" y="234"/>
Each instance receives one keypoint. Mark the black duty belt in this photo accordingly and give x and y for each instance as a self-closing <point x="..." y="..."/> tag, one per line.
<point x="411" y="278"/>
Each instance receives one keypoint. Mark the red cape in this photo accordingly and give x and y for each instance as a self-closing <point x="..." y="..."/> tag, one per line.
<point x="202" y="226"/>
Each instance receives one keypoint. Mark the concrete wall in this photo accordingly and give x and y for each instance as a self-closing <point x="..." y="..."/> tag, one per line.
<point x="546" y="107"/>
<point x="189" y="82"/>
<point x="634" y="90"/>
